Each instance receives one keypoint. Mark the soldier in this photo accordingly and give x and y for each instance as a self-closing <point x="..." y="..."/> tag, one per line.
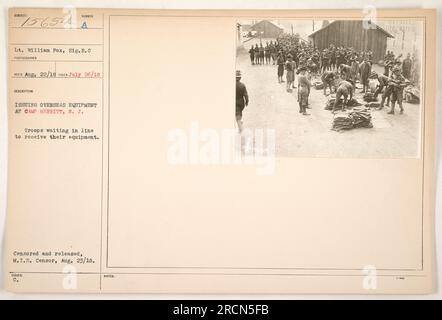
<point x="406" y="67"/>
<point x="365" y="70"/>
<point x="345" y="71"/>
<point x="313" y="65"/>
<point x="242" y="100"/>
<point x="256" y="54"/>
<point x="290" y="72"/>
<point x="415" y="69"/>
<point x="273" y="52"/>
<point x="383" y="83"/>
<point x="345" y="90"/>
<point x="387" y="67"/>
<point x="340" y="57"/>
<point x="252" y="55"/>
<point x="332" y="57"/>
<point x="397" y="60"/>
<point x="280" y="62"/>
<point x="303" y="90"/>
<point x="325" y="60"/>
<point x="267" y="53"/>
<point x="370" y="57"/>
<point x="328" y="78"/>
<point x="397" y="84"/>
<point x="354" y="70"/>
<point x="261" y="54"/>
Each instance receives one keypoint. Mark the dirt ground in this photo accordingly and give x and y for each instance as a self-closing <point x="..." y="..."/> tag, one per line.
<point x="271" y="106"/>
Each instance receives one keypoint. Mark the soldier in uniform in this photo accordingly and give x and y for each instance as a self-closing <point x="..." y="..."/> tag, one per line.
<point x="354" y="70"/>
<point x="252" y="55"/>
<point x="345" y="90"/>
<point x="383" y="83"/>
<point x="345" y="71"/>
<point x="387" y="67"/>
<point x="340" y="57"/>
<point x="328" y="78"/>
<point x="273" y="52"/>
<point x="406" y="67"/>
<point x="261" y="54"/>
<point x="325" y="60"/>
<point x="397" y="84"/>
<point x="365" y="70"/>
<point x="280" y="61"/>
<point x="290" y="72"/>
<point x="242" y="100"/>
<point x="332" y="57"/>
<point x="303" y="90"/>
<point x="256" y="54"/>
<point x="267" y="53"/>
<point x="370" y="57"/>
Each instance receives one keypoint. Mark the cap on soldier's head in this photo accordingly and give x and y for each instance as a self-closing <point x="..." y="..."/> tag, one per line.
<point x="238" y="73"/>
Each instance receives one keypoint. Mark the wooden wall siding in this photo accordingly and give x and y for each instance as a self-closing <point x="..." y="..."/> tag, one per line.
<point x="352" y="34"/>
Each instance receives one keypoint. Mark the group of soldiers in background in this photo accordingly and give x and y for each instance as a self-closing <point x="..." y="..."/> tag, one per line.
<point x="339" y="68"/>
<point x="263" y="54"/>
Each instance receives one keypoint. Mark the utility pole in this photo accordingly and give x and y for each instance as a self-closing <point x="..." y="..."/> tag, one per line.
<point x="403" y="38"/>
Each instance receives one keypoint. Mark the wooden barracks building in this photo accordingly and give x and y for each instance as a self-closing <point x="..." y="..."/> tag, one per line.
<point x="352" y="33"/>
<point x="267" y="29"/>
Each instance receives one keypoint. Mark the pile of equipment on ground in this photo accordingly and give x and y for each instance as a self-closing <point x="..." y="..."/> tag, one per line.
<point x="412" y="94"/>
<point x="331" y="101"/>
<point x="374" y="105"/>
<point x="369" y="97"/>
<point x="358" y="117"/>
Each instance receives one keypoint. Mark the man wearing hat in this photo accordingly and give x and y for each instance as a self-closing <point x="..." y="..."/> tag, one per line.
<point x="354" y="71"/>
<point x="252" y="55"/>
<point x="242" y="100"/>
<point x="325" y="60"/>
<point x="290" y="72"/>
<point x="397" y="84"/>
<point x="365" y="70"/>
<point x="303" y="90"/>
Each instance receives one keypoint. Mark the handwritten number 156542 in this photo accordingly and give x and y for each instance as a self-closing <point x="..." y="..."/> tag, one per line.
<point x="47" y="22"/>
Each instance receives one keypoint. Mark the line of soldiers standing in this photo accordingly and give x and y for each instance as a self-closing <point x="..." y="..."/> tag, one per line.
<point x="263" y="55"/>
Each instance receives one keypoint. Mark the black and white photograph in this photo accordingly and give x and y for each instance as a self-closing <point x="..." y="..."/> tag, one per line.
<point x="332" y="88"/>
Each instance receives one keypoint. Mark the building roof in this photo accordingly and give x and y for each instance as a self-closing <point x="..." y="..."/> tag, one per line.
<point x="263" y="21"/>
<point x="377" y="27"/>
